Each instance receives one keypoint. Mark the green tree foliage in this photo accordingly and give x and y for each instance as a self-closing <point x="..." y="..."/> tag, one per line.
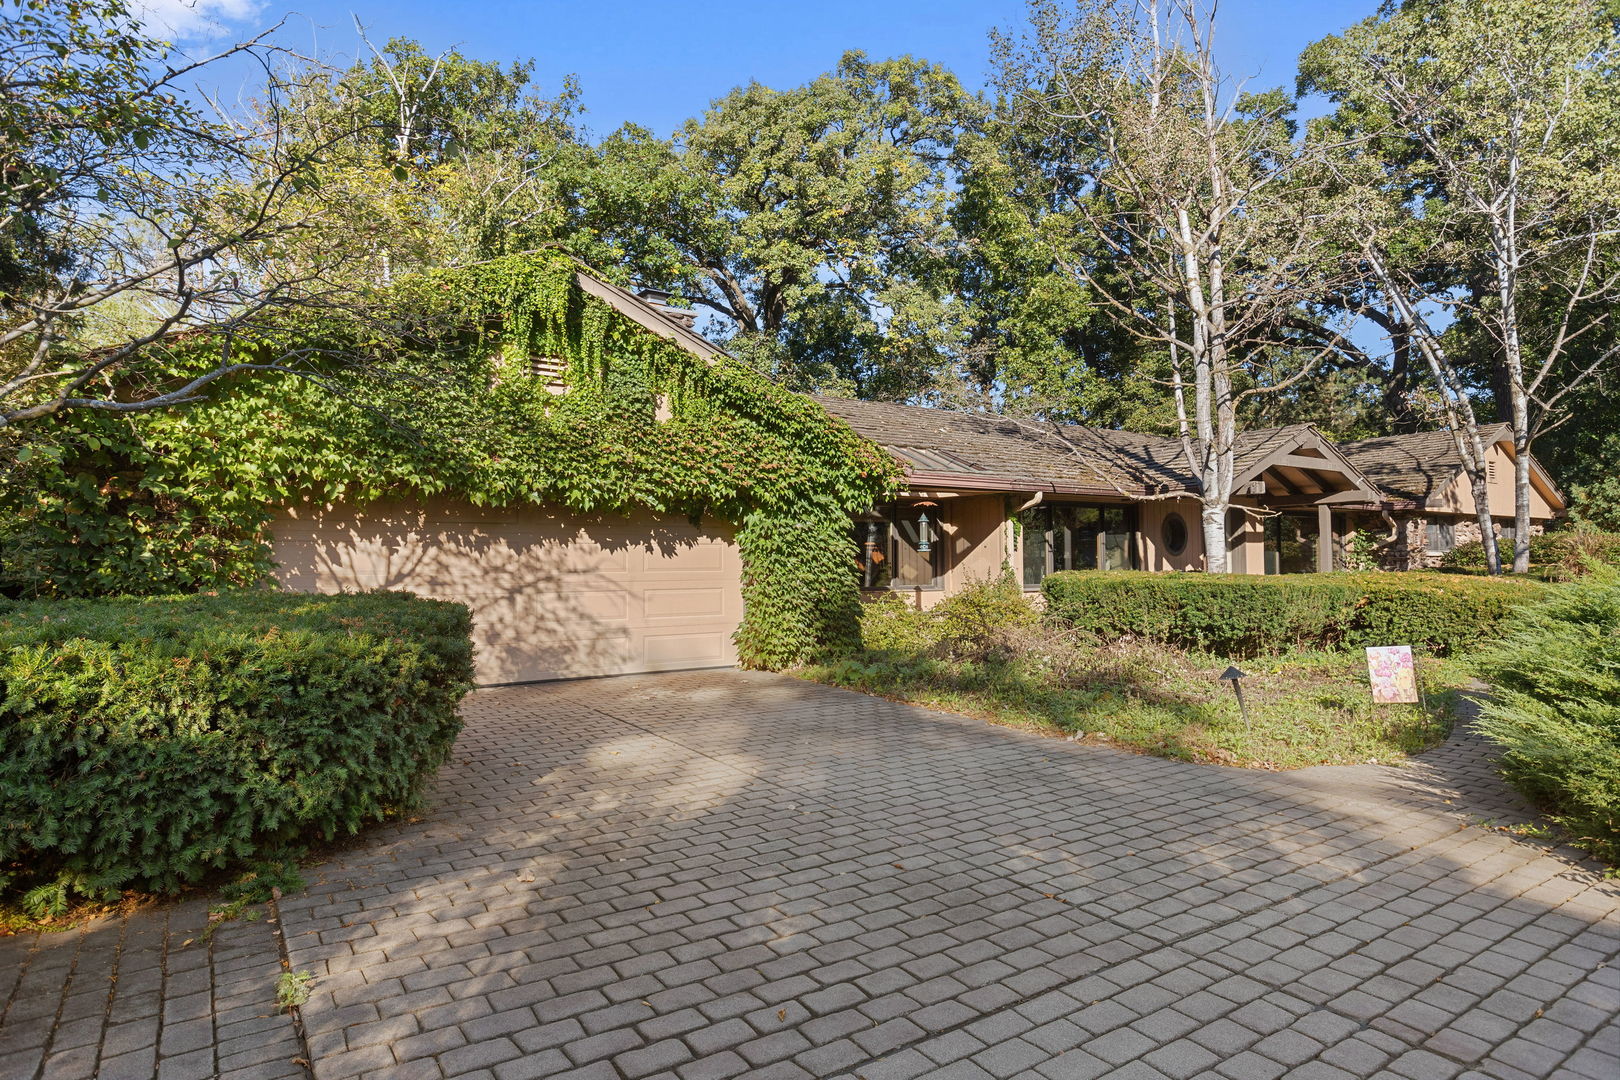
<point x="1556" y="709"/>
<point x="1508" y="113"/>
<point x="129" y="212"/>
<point x="814" y="220"/>
<point x="436" y="160"/>
<point x="179" y="500"/>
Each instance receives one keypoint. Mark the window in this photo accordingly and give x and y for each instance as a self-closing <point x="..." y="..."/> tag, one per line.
<point x="1290" y="544"/>
<point x="1173" y="534"/>
<point x="1073" y="537"/>
<point x="900" y="547"/>
<point x="1439" y="537"/>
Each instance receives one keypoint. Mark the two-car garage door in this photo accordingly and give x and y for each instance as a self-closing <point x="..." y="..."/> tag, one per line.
<point x="553" y="594"/>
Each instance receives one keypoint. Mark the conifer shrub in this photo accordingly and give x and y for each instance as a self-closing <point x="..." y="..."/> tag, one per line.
<point x="1555" y="708"/>
<point x="145" y="743"/>
<point x="1250" y="615"/>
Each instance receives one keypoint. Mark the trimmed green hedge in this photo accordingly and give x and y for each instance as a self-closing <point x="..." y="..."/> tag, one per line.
<point x="147" y="742"/>
<point x="1555" y="709"/>
<point x="1247" y="615"/>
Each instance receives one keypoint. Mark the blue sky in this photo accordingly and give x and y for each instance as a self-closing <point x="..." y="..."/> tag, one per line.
<point x="659" y="63"/>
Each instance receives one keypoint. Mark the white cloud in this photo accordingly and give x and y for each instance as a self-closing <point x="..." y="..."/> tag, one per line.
<point x="193" y="20"/>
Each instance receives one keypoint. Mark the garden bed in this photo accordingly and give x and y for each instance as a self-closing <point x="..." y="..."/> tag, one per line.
<point x="988" y="654"/>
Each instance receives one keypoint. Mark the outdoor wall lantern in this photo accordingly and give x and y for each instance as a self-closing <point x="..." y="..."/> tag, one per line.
<point x="922" y="532"/>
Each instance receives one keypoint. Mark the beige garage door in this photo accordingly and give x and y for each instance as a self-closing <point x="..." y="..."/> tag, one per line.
<point x="553" y="594"/>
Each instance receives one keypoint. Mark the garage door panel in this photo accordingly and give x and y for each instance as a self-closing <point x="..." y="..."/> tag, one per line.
<point x="683" y="603"/>
<point x="553" y="594"/>
<point x="698" y="558"/>
<point x="660" y="651"/>
<point x="528" y="660"/>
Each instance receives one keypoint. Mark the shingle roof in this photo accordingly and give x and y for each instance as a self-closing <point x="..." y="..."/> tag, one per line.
<point x="1414" y="466"/>
<point x="1018" y="453"/>
<point x="1039" y="454"/>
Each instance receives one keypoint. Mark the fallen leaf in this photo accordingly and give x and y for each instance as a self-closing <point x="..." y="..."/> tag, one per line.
<point x="781" y="1014"/>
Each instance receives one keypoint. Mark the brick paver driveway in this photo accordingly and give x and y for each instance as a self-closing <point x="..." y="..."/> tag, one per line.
<point x="721" y="874"/>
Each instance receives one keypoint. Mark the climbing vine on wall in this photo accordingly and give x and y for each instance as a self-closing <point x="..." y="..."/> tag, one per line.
<point x="178" y="501"/>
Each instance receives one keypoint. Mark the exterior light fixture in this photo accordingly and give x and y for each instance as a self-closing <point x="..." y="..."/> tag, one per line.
<point x="1236" y="677"/>
<point x="922" y="532"/>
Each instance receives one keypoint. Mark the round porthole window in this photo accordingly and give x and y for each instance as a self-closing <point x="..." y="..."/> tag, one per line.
<point x="1174" y="534"/>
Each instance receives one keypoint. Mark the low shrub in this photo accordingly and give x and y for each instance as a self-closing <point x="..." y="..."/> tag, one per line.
<point x="1562" y="556"/>
<point x="982" y="621"/>
<point x="1248" y="615"/>
<point x="892" y="624"/>
<point x="1555" y="708"/>
<point x="985" y="620"/>
<point x="145" y="743"/>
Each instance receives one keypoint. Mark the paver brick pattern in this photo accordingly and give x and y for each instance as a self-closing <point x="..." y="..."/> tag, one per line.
<point x="724" y="874"/>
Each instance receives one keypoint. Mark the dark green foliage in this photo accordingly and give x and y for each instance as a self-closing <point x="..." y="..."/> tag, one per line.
<point x="1555" y="708"/>
<point x="1244" y="615"/>
<point x="1560" y="555"/>
<point x="178" y="500"/>
<point x="145" y="743"/>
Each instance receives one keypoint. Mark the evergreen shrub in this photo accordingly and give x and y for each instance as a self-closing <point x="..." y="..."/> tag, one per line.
<point x="145" y="743"/>
<point x="1249" y="615"/>
<point x="1555" y="708"/>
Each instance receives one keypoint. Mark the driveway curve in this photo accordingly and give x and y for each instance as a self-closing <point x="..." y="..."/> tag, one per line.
<point x="718" y="874"/>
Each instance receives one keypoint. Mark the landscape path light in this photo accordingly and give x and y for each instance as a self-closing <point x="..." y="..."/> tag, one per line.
<point x="1236" y="677"/>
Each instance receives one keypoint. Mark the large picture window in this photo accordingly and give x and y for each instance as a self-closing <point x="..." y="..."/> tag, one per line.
<point x="1290" y="544"/>
<point x="900" y="546"/>
<point x="1071" y="537"/>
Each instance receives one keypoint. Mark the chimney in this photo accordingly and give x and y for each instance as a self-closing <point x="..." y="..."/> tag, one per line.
<point x="658" y="300"/>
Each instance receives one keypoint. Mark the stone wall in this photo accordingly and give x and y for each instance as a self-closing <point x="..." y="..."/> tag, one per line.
<point x="1406" y="548"/>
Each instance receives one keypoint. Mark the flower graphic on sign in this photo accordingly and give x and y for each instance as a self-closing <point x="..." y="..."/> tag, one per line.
<point x="1392" y="674"/>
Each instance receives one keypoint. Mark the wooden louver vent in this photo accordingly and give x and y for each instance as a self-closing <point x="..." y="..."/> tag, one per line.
<point x="549" y="370"/>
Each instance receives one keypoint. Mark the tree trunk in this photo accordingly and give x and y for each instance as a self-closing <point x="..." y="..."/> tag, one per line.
<point x="1214" y="523"/>
<point x="1521" y="490"/>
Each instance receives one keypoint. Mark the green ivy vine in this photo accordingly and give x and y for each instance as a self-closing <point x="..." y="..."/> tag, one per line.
<point x="179" y="501"/>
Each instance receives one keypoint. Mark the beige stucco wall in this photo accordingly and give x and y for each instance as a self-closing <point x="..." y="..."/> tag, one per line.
<point x="1154" y="556"/>
<point x="1458" y="498"/>
<point x="553" y="594"/>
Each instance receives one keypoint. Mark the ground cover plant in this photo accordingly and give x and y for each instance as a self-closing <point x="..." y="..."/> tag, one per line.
<point x="150" y="743"/>
<point x="988" y="653"/>
<point x="1555" y="709"/>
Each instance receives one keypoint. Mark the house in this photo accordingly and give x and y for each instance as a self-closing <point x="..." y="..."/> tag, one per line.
<point x="984" y="492"/>
<point x="1422" y="473"/>
<point x="559" y="592"/>
<point x="653" y="416"/>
